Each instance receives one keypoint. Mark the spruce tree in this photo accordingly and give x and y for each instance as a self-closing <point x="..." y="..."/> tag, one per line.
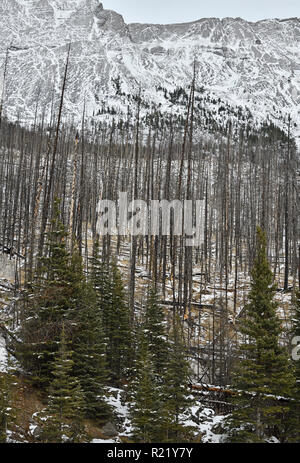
<point x="264" y="370"/>
<point x="146" y="404"/>
<point x="147" y="385"/>
<point x="296" y="358"/>
<point x="100" y="279"/>
<point x="62" y="420"/>
<point x="119" y="347"/>
<point x="296" y="334"/>
<point x="115" y="315"/>
<point x="54" y="297"/>
<point x="154" y="328"/>
<point x="176" y="392"/>
<point x="90" y="365"/>
<point x="7" y="410"/>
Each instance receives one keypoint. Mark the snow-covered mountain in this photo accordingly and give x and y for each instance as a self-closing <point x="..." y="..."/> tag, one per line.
<point x="253" y="65"/>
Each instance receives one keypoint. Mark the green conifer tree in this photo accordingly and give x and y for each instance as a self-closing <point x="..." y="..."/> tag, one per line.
<point x="264" y="371"/>
<point x="119" y="347"/>
<point x="296" y="358"/>
<point x="296" y="335"/>
<point x="148" y="374"/>
<point x="7" y="410"/>
<point x="176" y="394"/>
<point x="53" y="298"/>
<point x="62" y="420"/>
<point x="146" y="398"/>
<point x="115" y="314"/>
<point x="100" y="277"/>
<point x="154" y="328"/>
<point x="90" y="365"/>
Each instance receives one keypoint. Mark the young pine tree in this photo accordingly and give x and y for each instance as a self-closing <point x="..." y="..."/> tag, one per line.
<point x="264" y="371"/>
<point x="119" y="348"/>
<point x="296" y="358"/>
<point x="101" y="281"/>
<point x="7" y="411"/>
<point x="90" y="365"/>
<point x="147" y="399"/>
<point x="115" y="315"/>
<point x="62" y="420"/>
<point x="53" y="298"/>
<point x="154" y="328"/>
<point x="177" y="397"/>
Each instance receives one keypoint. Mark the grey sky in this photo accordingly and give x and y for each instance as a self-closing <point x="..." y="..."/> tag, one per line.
<point x="171" y="11"/>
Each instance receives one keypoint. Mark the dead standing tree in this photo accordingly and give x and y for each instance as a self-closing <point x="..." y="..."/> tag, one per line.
<point x="50" y="186"/>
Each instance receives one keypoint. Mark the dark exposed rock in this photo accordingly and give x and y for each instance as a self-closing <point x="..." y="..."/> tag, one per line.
<point x="157" y="50"/>
<point x="109" y="430"/>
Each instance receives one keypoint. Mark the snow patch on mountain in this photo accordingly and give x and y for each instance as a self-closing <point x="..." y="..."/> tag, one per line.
<point x="252" y="65"/>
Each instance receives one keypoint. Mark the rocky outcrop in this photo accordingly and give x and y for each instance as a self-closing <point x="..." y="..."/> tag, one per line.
<point x="109" y="430"/>
<point x="252" y="65"/>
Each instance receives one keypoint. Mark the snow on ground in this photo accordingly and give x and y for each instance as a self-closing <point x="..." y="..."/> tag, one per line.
<point x="211" y="436"/>
<point x="103" y="441"/>
<point x="202" y="419"/>
<point x="3" y="355"/>
<point x="7" y="267"/>
<point x="121" y="410"/>
<point x="205" y="422"/>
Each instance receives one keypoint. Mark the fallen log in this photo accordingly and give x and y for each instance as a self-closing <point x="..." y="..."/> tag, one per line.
<point x="204" y="388"/>
<point x="230" y="392"/>
<point x="193" y="304"/>
<point x="11" y="252"/>
<point x="8" y="333"/>
<point x="6" y="287"/>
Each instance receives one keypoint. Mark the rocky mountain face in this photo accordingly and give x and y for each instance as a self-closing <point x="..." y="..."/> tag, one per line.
<point x="240" y="64"/>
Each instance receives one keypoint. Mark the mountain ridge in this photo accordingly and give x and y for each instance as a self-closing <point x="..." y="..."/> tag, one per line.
<point x="255" y="66"/>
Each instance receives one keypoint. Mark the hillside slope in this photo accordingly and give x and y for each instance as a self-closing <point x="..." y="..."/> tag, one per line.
<point x="253" y="65"/>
